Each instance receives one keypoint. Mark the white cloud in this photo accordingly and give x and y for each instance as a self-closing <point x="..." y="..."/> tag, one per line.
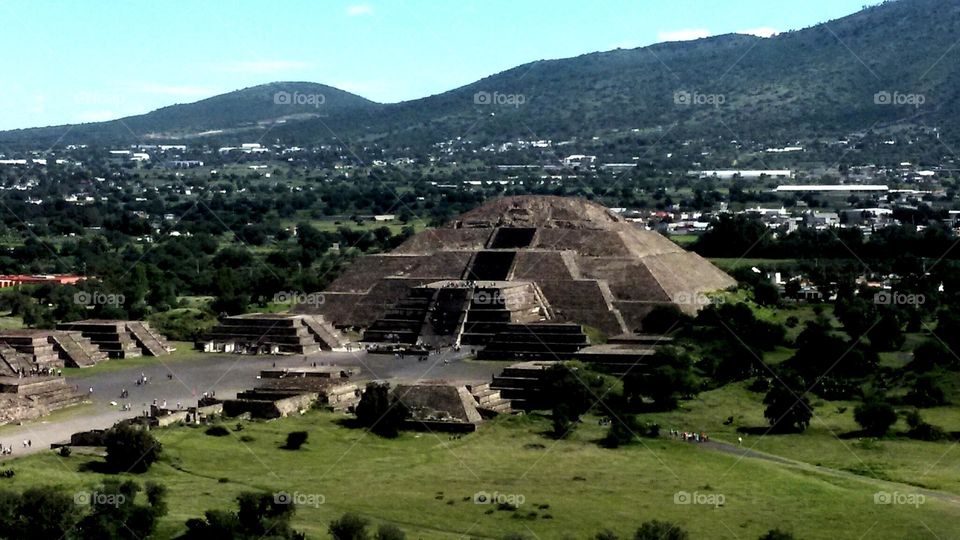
<point x="263" y="66"/>
<point x="685" y="34"/>
<point x="359" y="9"/>
<point x="763" y="31"/>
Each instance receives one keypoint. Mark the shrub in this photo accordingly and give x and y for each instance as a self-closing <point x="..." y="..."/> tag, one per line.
<point x="927" y="392"/>
<point x="131" y="449"/>
<point x="777" y="534"/>
<point x="217" y="431"/>
<point x="389" y="531"/>
<point x="379" y="412"/>
<point x="875" y="416"/>
<point x="922" y="431"/>
<point x="660" y="530"/>
<point x="350" y="526"/>
<point x="296" y="439"/>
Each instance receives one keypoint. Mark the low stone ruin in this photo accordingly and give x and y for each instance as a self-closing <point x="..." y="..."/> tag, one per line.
<point x="439" y="407"/>
<point x="260" y="333"/>
<point x="285" y="392"/>
<point x="28" y="398"/>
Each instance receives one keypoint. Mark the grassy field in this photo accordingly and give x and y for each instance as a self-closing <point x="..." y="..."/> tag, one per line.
<point x="728" y="265"/>
<point x="425" y="483"/>
<point x="831" y="440"/>
<point x="331" y="225"/>
<point x="684" y="240"/>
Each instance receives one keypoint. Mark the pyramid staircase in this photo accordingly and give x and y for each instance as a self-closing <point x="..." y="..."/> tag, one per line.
<point x="13" y="362"/>
<point x="149" y="341"/>
<point x="76" y="350"/>
<point x="111" y="337"/>
<point x="403" y="323"/>
<point x="523" y="385"/>
<point x="489" y="401"/>
<point x="325" y="333"/>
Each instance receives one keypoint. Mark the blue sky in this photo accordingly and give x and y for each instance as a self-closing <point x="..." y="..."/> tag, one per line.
<point x="81" y="61"/>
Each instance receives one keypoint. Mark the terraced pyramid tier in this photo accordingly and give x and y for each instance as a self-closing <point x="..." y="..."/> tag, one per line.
<point x="588" y="265"/>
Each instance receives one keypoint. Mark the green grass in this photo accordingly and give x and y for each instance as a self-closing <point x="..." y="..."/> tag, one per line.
<point x="830" y="440"/>
<point x="331" y="225"/>
<point x="424" y="483"/>
<point x="8" y="322"/>
<point x="684" y="239"/>
<point x="728" y="265"/>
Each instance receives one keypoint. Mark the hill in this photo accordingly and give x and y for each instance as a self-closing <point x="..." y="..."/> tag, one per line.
<point x="888" y="65"/>
<point x="231" y="115"/>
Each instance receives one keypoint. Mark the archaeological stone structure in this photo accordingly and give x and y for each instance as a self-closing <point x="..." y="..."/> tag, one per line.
<point x="286" y="391"/>
<point x="438" y="407"/>
<point x="519" y="278"/>
<point x="120" y="339"/>
<point x="28" y="398"/>
<point x="267" y="333"/>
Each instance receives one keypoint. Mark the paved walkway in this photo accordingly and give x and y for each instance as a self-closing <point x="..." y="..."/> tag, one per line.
<point x="186" y="380"/>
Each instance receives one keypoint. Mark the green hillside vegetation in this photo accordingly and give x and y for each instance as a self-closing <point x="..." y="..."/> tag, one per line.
<point x="816" y="82"/>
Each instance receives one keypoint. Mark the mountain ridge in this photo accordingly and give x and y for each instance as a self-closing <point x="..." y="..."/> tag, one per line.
<point x="827" y="79"/>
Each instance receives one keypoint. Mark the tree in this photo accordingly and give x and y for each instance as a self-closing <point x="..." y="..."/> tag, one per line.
<point x="766" y="294"/>
<point x="921" y="430"/>
<point x="777" y="534"/>
<point x="350" y="526"/>
<point x="567" y="391"/>
<point x="787" y="409"/>
<point x="886" y="334"/>
<point x="131" y="449"/>
<point x="259" y="516"/>
<point x="663" y="319"/>
<point x="948" y="328"/>
<point x="381" y="413"/>
<point x="660" y="530"/>
<point x="875" y="416"/>
<point x="622" y="431"/>
<point x="930" y="355"/>
<point x="38" y="512"/>
<point x="665" y="384"/>
<point x="116" y="515"/>
<point x="389" y="531"/>
<point x="791" y="289"/>
<point x="927" y="391"/>
<point x="857" y="316"/>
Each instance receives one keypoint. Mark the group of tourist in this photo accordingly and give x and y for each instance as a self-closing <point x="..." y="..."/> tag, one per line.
<point x="8" y="450"/>
<point x="37" y="371"/>
<point x="689" y="436"/>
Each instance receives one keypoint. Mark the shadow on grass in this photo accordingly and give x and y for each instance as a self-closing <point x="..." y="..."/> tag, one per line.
<point x="97" y="467"/>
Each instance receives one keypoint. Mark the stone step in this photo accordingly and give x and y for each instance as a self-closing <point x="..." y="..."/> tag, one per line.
<point x="149" y="342"/>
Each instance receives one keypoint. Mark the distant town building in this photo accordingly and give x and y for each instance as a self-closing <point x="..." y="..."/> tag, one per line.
<point x="746" y="174"/>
